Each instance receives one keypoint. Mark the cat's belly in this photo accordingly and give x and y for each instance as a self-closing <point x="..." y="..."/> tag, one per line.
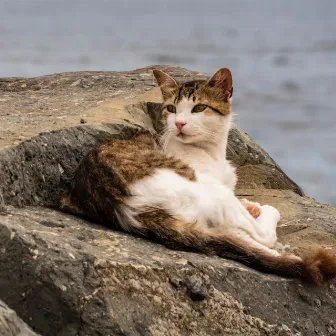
<point x="187" y="200"/>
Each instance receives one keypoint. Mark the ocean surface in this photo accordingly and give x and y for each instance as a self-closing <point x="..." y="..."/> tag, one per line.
<point x="282" y="55"/>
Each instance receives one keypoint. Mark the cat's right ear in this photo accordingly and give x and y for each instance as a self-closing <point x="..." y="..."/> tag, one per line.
<point x="166" y="83"/>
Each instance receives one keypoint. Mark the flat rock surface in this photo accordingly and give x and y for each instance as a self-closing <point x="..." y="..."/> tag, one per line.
<point x="65" y="276"/>
<point x="29" y="106"/>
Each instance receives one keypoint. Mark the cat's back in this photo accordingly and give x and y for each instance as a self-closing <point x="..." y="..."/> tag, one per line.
<point x="129" y="157"/>
<point x="139" y="157"/>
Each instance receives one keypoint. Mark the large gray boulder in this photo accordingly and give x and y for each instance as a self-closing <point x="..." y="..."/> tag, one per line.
<point x="65" y="276"/>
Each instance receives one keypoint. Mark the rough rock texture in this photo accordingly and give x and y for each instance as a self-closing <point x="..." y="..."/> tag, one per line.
<point x="11" y="324"/>
<point x="31" y="105"/>
<point x="65" y="276"/>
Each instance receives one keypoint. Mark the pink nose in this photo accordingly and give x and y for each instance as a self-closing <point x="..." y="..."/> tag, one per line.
<point x="179" y="125"/>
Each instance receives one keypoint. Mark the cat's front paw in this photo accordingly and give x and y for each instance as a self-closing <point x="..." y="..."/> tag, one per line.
<point x="253" y="208"/>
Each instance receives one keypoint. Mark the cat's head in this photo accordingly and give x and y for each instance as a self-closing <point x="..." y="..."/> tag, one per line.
<point x="196" y="111"/>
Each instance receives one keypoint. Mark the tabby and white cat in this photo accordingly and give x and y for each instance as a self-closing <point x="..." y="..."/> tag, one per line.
<point x="180" y="190"/>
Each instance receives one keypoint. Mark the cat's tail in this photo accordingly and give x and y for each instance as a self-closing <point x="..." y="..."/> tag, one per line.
<point x="317" y="267"/>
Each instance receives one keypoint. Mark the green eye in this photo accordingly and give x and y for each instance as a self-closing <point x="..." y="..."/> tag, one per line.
<point x="199" y="108"/>
<point x="171" y="108"/>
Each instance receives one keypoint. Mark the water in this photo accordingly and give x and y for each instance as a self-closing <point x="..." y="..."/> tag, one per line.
<point x="282" y="55"/>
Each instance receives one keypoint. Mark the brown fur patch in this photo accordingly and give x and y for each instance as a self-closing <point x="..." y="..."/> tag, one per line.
<point x="137" y="158"/>
<point x="101" y="181"/>
<point x="319" y="266"/>
<point x="200" y="92"/>
<point x="69" y="206"/>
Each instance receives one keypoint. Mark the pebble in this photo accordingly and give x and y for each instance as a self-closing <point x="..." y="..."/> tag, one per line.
<point x="196" y="289"/>
<point x="176" y="281"/>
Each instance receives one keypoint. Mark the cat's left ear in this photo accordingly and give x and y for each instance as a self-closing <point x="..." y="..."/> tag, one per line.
<point x="222" y="81"/>
<point x="166" y="83"/>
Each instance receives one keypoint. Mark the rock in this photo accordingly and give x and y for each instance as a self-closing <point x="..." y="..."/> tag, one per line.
<point x="11" y="324"/>
<point x="65" y="276"/>
<point x="196" y="288"/>
<point x="82" y="279"/>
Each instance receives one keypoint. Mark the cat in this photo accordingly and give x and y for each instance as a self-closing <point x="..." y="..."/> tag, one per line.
<point x="178" y="188"/>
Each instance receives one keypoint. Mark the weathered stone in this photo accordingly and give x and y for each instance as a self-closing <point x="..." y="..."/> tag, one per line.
<point x="33" y="171"/>
<point x="29" y="106"/>
<point x="65" y="276"/>
<point x="11" y="324"/>
<point x="83" y="279"/>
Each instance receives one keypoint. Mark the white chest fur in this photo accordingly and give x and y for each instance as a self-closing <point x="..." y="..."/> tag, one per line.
<point x="210" y="160"/>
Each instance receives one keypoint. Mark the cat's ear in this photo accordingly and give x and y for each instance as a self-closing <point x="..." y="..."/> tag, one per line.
<point x="166" y="83"/>
<point x="222" y="81"/>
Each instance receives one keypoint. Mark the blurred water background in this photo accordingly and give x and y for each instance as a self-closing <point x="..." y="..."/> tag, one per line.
<point x="282" y="55"/>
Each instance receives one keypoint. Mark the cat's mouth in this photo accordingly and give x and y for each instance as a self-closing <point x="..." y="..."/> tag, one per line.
<point x="182" y="135"/>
